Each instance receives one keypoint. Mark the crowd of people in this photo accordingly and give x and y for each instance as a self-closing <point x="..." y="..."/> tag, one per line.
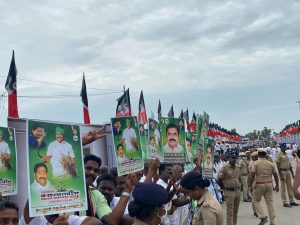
<point x="171" y="194"/>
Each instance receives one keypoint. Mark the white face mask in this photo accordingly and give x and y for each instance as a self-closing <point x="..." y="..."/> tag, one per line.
<point x="160" y="217"/>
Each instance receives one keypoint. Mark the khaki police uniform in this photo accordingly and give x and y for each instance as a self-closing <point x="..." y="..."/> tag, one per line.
<point x="210" y="211"/>
<point x="285" y="177"/>
<point x="254" y="183"/>
<point x="138" y="222"/>
<point x="243" y="167"/>
<point x="232" y="185"/>
<point x="264" y="170"/>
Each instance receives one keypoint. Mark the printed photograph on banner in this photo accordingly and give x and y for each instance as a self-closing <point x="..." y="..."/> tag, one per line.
<point x="8" y="159"/>
<point x="127" y="145"/>
<point x="143" y="140"/>
<point x="191" y="146"/>
<point x="208" y="157"/>
<point x="154" y="140"/>
<point x="173" y="140"/>
<point x="198" y="129"/>
<point x="203" y="131"/>
<point x="55" y="168"/>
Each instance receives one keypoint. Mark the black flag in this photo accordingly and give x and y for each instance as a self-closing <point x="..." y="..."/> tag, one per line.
<point x="123" y="107"/>
<point x="171" y="112"/>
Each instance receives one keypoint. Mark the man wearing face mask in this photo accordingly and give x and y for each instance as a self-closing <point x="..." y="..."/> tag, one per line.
<point x="229" y="180"/>
<point x="243" y="167"/>
<point x="210" y="211"/>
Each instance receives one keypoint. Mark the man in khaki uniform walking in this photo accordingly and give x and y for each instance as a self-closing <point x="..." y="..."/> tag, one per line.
<point x="285" y="174"/>
<point x="253" y="157"/>
<point x="243" y="168"/>
<point x="229" y="181"/>
<point x="262" y="171"/>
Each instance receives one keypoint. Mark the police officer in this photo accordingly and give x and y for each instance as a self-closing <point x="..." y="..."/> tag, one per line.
<point x="253" y="157"/>
<point x="148" y="204"/>
<point x="229" y="181"/>
<point x="285" y="173"/>
<point x="243" y="168"/>
<point x="262" y="171"/>
<point x="210" y="211"/>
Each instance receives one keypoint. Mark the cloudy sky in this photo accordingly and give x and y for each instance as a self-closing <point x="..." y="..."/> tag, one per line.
<point x="237" y="60"/>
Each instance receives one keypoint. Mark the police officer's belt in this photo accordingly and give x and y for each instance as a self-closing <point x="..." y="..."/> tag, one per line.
<point x="232" y="189"/>
<point x="264" y="182"/>
<point x="244" y="174"/>
<point x="285" y="169"/>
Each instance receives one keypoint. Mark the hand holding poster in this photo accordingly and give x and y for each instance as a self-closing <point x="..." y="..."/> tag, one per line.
<point x="173" y="140"/>
<point x="154" y="140"/>
<point x="208" y="157"/>
<point x="8" y="158"/>
<point x="127" y="145"/>
<point x="55" y="168"/>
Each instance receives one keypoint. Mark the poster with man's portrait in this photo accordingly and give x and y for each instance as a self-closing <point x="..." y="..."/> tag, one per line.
<point x="191" y="146"/>
<point x="127" y="145"/>
<point x="55" y="168"/>
<point x="173" y="140"/>
<point x="154" y="140"/>
<point x="202" y="128"/>
<point x="143" y="140"/>
<point x="8" y="159"/>
<point x="208" y="153"/>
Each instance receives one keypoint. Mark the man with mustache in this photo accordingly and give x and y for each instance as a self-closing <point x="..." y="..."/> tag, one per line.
<point x="208" y="162"/>
<point x="41" y="182"/>
<point x="172" y="134"/>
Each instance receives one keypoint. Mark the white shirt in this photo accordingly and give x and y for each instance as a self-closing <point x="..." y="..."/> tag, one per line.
<point x="38" y="188"/>
<point x="177" y="149"/>
<point x="114" y="203"/>
<point x="156" y="136"/>
<point x="128" y="134"/>
<point x="41" y="220"/>
<point x="3" y="149"/>
<point x="166" y="218"/>
<point x="57" y="150"/>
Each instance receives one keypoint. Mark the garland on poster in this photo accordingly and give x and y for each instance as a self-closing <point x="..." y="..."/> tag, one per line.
<point x="55" y="168"/>
<point x="8" y="159"/>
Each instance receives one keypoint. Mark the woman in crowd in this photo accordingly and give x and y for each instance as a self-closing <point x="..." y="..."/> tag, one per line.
<point x="210" y="211"/>
<point x="148" y="204"/>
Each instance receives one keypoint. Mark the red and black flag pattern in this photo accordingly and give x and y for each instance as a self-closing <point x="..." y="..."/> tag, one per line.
<point x="85" y="103"/>
<point x="124" y="107"/>
<point x="159" y="110"/>
<point x="171" y="112"/>
<point x="142" y="116"/>
<point x="11" y="87"/>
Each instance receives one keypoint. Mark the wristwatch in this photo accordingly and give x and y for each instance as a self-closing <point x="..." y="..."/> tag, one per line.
<point x="125" y="194"/>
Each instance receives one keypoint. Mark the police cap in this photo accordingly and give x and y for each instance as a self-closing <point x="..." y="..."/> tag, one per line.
<point x="150" y="194"/>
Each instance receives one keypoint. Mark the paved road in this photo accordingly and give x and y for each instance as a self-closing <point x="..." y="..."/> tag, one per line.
<point x="284" y="216"/>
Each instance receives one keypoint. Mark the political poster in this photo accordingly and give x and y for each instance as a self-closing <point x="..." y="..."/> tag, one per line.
<point x="173" y="140"/>
<point x="208" y="157"/>
<point x="191" y="146"/>
<point x="203" y="127"/>
<point x="127" y="145"/>
<point x="8" y="159"/>
<point x="55" y="168"/>
<point x="143" y="140"/>
<point x="154" y="140"/>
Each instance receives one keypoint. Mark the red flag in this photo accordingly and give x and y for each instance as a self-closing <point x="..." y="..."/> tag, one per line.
<point x="193" y="123"/>
<point x="84" y="100"/>
<point x="11" y="87"/>
<point x="142" y="116"/>
<point x="123" y="107"/>
<point x="186" y="117"/>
